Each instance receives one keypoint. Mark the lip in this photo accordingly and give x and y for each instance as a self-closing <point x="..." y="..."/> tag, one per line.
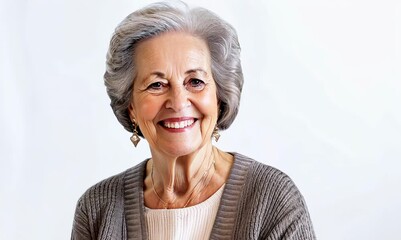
<point x="178" y="124"/>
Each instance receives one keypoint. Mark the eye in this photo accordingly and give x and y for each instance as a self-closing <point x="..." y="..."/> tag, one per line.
<point x="195" y="84"/>
<point x="157" y="87"/>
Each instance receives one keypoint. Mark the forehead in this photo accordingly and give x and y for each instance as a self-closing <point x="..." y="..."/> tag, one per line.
<point x="172" y="49"/>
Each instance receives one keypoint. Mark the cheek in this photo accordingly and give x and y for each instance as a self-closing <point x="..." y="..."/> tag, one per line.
<point x="147" y="109"/>
<point x="208" y="104"/>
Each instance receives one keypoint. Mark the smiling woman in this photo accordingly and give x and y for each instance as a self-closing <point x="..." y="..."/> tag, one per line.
<point x="174" y="78"/>
<point x="174" y="100"/>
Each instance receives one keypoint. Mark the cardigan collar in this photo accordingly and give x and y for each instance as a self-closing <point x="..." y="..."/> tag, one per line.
<point x="134" y="207"/>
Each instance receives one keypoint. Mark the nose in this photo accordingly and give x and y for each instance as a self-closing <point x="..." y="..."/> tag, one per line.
<point x="178" y="99"/>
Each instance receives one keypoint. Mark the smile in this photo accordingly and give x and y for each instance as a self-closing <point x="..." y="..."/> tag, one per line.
<point x="178" y="123"/>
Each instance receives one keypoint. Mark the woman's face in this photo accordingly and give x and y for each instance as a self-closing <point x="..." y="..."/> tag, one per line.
<point x="174" y="96"/>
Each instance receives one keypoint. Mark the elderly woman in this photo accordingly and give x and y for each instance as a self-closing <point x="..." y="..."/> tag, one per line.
<point x="174" y="78"/>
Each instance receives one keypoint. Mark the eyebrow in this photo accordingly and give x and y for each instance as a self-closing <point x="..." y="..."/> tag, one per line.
<point x="196" y="70"/>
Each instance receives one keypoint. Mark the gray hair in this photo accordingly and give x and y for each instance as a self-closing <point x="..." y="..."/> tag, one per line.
<point x="158" y="18"/>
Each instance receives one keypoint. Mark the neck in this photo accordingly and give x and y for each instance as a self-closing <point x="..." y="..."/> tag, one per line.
<point x="177" y="176"/>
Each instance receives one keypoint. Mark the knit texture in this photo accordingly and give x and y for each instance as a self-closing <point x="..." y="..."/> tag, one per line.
<point x="258" y="202"/>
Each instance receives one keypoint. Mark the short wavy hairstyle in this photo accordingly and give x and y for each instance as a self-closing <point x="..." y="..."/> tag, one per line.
<point x="159" y="18"/>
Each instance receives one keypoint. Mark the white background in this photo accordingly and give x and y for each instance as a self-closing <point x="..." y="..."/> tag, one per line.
<point x="321" y="102"/>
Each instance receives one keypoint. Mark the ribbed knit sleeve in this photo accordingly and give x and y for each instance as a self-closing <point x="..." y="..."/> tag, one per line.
<point x="271" y="207"/>
<point x="80" y="229"/>
<point x="99" y="211"/>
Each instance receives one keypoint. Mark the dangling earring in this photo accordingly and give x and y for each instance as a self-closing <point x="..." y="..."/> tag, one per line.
<point x="135" y="137"/>
<point x="216" y="134"/>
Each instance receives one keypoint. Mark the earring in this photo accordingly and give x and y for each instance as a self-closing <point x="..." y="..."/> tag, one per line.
<point x="216" y="134"/>
<point x="135" y="137"/>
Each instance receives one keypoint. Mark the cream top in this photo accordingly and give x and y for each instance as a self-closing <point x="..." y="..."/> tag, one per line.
<point x="194" y="222"/>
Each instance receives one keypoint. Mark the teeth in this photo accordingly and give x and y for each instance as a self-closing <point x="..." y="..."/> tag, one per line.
<point x="181" y="124"/>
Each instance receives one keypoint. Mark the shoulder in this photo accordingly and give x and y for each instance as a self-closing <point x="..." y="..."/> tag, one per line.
<point x="108" y="190"/>
<point x="266" y="182"/>
<point x="103" y="190"/>
<point x="275" y="200"/>
<point x="266" y="176"/>
<point x="100" y="209"/>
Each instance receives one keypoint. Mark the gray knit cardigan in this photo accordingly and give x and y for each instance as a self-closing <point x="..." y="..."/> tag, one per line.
<point x="258" y="202"/>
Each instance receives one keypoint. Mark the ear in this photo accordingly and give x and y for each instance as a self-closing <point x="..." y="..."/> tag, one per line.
<point x="218" y="109"/>
<point x="131" y="111"/>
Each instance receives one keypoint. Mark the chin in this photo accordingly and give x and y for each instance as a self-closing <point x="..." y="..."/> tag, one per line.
<point x="182" y="149"/>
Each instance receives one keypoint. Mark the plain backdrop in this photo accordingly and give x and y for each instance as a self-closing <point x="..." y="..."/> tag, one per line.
<point x="321" y="102"/>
